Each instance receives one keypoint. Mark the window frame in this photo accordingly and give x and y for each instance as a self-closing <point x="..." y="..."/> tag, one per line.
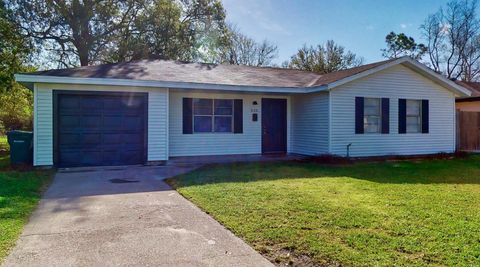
<point x="380" y="115"/>
<point x="213" y="116"/>
<point x="419" y="116"/>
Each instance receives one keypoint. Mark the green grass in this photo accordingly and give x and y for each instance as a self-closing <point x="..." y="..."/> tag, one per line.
<point x="383" y="214"/>
<point x="20" y="192"/>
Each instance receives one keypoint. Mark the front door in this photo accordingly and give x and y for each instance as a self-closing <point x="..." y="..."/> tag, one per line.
<point x="274" y="125"/>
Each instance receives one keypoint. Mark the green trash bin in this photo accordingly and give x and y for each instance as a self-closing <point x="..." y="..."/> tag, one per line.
<point x="21" y="147"/>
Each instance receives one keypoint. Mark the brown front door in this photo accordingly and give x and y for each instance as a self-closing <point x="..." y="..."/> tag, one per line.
<point x="274" y="125"/>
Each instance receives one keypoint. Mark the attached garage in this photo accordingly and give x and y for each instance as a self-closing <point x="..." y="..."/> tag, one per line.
<point x="99" y="128"/>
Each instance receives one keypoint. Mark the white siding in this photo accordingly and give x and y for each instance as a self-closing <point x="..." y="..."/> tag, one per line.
<point x="43" y="119"/>
<point x="310" y="124"/>
<point x="248" y="142"/>
<point x="394" y="83"/>
<point x="43" y="127"/>
<point x="158" y="125"/>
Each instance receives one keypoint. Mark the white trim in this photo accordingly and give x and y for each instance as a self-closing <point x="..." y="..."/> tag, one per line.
<point x="35" y="122"/>
<point x="167" y="132"/>
<point x="26" y="78"/>
<point x="329" y="122"/>
<point x="455" y="146"/>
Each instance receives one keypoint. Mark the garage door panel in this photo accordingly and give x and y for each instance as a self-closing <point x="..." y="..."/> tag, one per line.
<point x="70" y="139"/>
<point x="91" y="158"/>
<point x="76" y="157"/>
<point x="135" y="139"/>
<point x="70" y="158"/>
<point x="113" y="122"/>
<point x="91" y="122"/>
<point x="132" y="156"/>
<point x="113" y="157"/>
<point x="113" y="138"/>
<point x="102" y="129"/>
<point x="69" y="122"/>
<point x="91" y="140"/>
<point x="91" y="103"/>
<point x="133" y="123"/>
<point x="70" y="103"/>
<point x="112" y="103"/>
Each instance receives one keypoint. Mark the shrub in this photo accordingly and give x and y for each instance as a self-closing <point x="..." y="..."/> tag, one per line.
<point x="16" y="110"/>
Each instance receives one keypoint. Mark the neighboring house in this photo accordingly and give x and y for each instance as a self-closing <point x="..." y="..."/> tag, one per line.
<point x="148" y="111"/>
<point x="468" y="118"/>
<point x="471" y="103"/>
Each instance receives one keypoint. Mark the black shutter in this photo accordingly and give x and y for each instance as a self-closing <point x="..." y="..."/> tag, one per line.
<point x="359" y="104"/>
<point x="385" y="115"/>
<point x="425" y="115"/>
<point x="402" y="116"/>
<point x="238" y="116"/>
<point x="187" y="115"/>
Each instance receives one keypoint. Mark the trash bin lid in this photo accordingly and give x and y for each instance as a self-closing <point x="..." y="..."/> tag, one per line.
<point x="16" y="134"/>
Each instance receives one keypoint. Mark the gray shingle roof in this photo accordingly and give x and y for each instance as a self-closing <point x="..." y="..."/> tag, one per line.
<point x="474" y="87"/>
<point x="175" y="71"/>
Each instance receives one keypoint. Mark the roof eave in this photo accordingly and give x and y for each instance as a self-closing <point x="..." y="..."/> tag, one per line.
<point x="454" y="87"/>
<point x="29" y="79"/>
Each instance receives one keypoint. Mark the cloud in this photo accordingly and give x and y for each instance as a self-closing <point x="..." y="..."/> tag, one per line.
<point x="370" y="27"/>
<point x="405" y="25"/>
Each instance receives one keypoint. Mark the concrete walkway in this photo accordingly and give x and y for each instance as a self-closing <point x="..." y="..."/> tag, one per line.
<point x="125" y="217"/>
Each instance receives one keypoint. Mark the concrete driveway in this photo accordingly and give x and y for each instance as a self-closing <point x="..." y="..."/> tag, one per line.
<point x="124" y="217"/>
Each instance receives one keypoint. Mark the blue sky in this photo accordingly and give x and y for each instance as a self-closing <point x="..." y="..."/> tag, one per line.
<point x="359" y="25"/>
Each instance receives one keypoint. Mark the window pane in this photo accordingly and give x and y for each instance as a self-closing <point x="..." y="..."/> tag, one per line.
<point x="413" y="107"/>
<point x="372" y="106"/>
<point x="371" y="119"/>
<point x="202" y="124"/>
<point x="413" y="124"/>
<point x="202" y="106"/>
<point x="223" y="107"/>
<point x="223" y="124"/>
<point x="372" y="124"/>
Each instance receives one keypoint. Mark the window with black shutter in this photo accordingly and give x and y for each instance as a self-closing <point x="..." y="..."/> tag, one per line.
<point x="413" y="116"/>
<point x="204" y="115"/>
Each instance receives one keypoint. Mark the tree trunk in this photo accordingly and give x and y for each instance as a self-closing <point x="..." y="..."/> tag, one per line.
<point x="83" y="61"/>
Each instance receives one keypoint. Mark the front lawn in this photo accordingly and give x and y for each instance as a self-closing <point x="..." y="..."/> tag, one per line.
<point x="20" y="192"/>
<point x="383" y="214"/>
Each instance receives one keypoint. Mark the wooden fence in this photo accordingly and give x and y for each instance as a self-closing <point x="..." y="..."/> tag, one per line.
<point x="468" y="131"/>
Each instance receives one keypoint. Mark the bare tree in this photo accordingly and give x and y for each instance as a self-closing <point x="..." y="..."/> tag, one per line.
<point x="451" y="36"/>
<point x="470" y="68"/>
<point x="243" y="50"/>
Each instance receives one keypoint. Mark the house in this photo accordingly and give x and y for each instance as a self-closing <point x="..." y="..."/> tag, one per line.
<point x="471" y="103"/>
<point x="152" y="110"/>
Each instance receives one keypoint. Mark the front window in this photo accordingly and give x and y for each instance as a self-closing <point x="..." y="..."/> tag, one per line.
<point x="212" y="115"/>
<point x="372" y="115"/>
<point x="414" y="116"/>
